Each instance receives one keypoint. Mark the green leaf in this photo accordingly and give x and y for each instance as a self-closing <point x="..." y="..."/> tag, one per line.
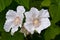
<point x="25" y="3"/>
<point x="35" y="3"/>
<point x="54" y="30"/>
<point x="46" y="3"/>
<point x="2" y="20"/>
<point x="55" y="10"/>
<point x="4" y="4"/>
<point x="8" y="36"/>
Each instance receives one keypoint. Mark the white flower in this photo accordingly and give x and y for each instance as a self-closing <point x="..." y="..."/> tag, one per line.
<point x="14" y="19"/>
<point x="36" y="20"/>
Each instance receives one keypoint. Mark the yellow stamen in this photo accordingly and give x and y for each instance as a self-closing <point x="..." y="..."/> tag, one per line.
<point x="17" y="21"/>
<point x="36" y="22"/>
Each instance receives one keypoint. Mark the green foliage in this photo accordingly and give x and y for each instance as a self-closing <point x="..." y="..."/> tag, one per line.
<point x="23" y="2"/>
<point x="35" y="3"/>
<point x="54" y="10"/>
<point x="46" y="3"/>
<point x="52" y="32"/>
<point x="54" y="29"/>
<point x="4" y="4"/>
<point x="16" y="36"/>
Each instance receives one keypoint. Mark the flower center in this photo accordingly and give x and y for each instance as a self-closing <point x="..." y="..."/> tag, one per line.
<point x="36" y="22"/>
<point x="17" y="21"/>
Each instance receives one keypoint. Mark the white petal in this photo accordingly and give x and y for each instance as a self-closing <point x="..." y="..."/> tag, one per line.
<point x="29" y="27"/>
<point x="21" y="16"/>
<point x="38" y="30"/>
<point x="45" y="23"/>
<point x="29" y="16"/>
<point x="20" y="25"/>
<point x="20" y="9"/>
<point x="44" y="13"/>
<point x="13" y="30"/>
<point x="33" y="13"/>
<point x="8" y="25"/>
<point x="34" y="10"/>
<point x="10" y="14"/>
